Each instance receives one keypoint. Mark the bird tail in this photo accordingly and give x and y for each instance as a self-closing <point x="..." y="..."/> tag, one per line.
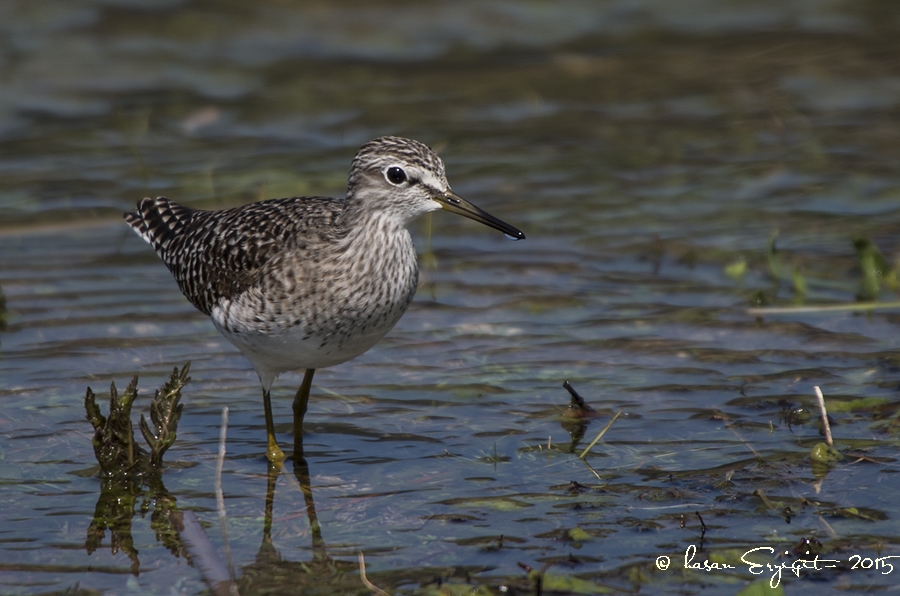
<point x="158" y="221"/>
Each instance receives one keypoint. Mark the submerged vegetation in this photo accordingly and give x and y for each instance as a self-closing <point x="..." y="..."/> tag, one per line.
<point x="117" y="451"/>
<point x="875" y="272"/>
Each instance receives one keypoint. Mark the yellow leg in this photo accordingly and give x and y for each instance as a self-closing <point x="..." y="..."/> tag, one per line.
<point x="273" y="451"/>
<point x="301" y="400"/>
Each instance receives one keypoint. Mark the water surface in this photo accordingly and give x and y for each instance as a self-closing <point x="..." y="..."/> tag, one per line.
<point x="649" y="150"/>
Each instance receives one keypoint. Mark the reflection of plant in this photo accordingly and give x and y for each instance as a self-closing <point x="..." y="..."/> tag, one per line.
<point x="132" y="478"/>
<point x="114" y="510"/>
<point x="120" y="499"/>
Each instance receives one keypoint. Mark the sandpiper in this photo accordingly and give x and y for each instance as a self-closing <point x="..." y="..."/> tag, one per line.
<point x="308" y="282"/>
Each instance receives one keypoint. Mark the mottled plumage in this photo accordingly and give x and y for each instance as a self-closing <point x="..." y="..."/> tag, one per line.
<point x="308" y="282"/>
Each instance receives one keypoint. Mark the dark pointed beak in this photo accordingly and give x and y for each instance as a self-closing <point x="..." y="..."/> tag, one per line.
<point x="454" y="203"/>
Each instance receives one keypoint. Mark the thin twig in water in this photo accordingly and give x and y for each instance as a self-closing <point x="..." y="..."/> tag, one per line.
<point x="825" y="424"/>
<point x="365" y="580"/>
<point x="702" y="524"/>
<point x="220" y="497"/>
<point x="600" y="435"/>
<point x="744" y="441"/>
<point x="831" y="533"/>
<point x="577" y="402"/>
<point x="855" y="306"/>
<point x="593" y="471"/>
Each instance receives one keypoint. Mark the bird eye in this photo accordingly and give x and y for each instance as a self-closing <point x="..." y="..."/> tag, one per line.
<point x="395" y="175"/>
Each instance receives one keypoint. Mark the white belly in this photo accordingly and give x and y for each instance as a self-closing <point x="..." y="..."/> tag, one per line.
<point x="294" y="350"/>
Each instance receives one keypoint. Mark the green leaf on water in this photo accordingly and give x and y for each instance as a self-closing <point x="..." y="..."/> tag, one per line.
<point x="824" y="454"/>
<point x="578" y="535"/>
<point x="495" y="503"/>
<point x="567" y="584"/>
<point x="855" y="405"/>
<point x="736" y="269"/>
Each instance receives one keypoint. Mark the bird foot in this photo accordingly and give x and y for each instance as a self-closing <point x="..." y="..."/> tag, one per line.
<point x="274" y="453"/>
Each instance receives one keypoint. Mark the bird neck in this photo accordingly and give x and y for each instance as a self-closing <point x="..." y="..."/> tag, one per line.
<point x="359" y="216"/>
<point x="367" y="229"/>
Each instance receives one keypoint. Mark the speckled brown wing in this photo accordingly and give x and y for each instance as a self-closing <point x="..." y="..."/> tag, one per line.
<point x="215" y="255"/>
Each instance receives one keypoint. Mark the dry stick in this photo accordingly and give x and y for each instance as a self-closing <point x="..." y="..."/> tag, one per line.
<point x="220" y="497"/>
<point x="365" y="580"/>
<point x="600" y="434"/>
<point x="827" y="426"/>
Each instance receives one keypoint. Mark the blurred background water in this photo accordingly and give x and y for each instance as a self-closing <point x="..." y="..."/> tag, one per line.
<point x="650" y="150"/>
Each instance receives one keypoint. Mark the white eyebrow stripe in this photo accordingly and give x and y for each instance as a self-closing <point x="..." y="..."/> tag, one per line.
<point x="431" y="181"/>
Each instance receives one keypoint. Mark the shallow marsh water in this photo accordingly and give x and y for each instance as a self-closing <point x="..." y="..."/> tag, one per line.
<point x="649" y="150"/>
